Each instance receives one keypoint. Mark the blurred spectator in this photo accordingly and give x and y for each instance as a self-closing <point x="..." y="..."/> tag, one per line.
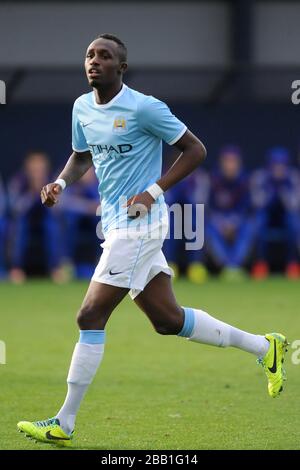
<point x="36" y="239"/>
<point x="192" y="190"/>
<point x="229" y="235"/>
<point x="79" y="203"/>
<point x="275" y="195"/>
<point x="3" y="224"/>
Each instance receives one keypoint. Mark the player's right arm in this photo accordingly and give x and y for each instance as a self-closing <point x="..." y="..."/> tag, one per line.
<point x="77" y="165"/>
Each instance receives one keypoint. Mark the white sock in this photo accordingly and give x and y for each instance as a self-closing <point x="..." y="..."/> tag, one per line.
<point x="84" y="364"/>
<point x="201" y="327"/>
<point x="67" y="413"/>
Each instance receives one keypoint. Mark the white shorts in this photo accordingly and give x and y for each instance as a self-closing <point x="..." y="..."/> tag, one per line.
<point x="131" y="259"/>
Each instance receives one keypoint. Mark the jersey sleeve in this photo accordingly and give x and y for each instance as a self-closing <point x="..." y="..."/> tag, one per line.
<point x="156" y="118"/>
<point x="79" y="143"/>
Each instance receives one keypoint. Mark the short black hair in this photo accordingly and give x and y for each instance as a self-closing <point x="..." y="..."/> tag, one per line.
<point x="122" y="47"/>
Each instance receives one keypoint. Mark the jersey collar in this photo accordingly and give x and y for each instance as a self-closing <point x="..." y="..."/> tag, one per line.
<point x="111" y="102"/>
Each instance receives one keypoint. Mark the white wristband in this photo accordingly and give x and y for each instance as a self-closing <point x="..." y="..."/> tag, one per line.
<point x="61" y="183"/>
<point x="155" y="191"/>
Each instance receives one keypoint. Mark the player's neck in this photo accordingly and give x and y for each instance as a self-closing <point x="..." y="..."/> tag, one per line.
<point x="106" y="94"/>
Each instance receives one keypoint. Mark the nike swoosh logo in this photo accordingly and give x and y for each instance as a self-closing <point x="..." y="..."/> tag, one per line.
<point x="113" y="274"/>
<point x="84" y="125"/>
<point x="55" y="438"/>
<point x="273" y="369"/>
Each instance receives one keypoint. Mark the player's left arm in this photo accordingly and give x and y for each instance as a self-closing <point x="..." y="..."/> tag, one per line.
<point x="192" y="155"/>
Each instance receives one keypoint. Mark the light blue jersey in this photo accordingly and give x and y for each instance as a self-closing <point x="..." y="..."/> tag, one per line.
<point x="124" y="137"/>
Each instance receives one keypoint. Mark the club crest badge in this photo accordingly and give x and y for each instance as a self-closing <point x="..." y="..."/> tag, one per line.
<point x="120" y="125"/>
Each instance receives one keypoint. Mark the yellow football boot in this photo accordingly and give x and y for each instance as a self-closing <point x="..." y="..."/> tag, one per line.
<point x="46" y="431"/>
<point x="272" y="363"/>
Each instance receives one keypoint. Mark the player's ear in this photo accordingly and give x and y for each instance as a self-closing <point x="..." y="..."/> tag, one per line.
<point x="123" y="67"/>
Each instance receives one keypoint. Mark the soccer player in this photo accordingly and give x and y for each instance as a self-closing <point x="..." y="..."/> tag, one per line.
<point x="120" y="132"/>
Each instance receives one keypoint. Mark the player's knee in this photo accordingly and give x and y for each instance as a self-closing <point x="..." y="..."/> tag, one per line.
<point x="172" y="326"/>
<point x="167" y="320"/>
<point x="167" y="328"/>
<point x="85" y="317"/>
<point x="90" y="317"/>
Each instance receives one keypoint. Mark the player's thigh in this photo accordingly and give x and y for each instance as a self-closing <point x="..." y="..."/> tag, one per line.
<point x="159" y="303"/>
<point x="98" y="304"/>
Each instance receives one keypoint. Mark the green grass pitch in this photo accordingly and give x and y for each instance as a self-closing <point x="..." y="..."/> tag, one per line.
<point x="151" y="392"/>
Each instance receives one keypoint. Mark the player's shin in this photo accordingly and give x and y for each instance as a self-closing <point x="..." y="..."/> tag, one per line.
<point x="201" y="327"/>
<point x="85" y="361"/>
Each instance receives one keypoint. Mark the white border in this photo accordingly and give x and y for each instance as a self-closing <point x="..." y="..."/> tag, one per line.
<point x="81" y="151"/>
<point x="173" y="141"/>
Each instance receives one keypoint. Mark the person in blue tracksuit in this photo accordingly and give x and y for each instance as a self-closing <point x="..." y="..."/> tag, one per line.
<point x="275" y="197"/>
<point x="229" y="235"/>
<point x="187" y="194"/>
<point x="36" y="242"/>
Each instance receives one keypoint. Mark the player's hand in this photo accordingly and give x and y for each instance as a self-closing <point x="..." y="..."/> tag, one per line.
<point x="139" y="205"/>
<point x="50" y="193"/>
